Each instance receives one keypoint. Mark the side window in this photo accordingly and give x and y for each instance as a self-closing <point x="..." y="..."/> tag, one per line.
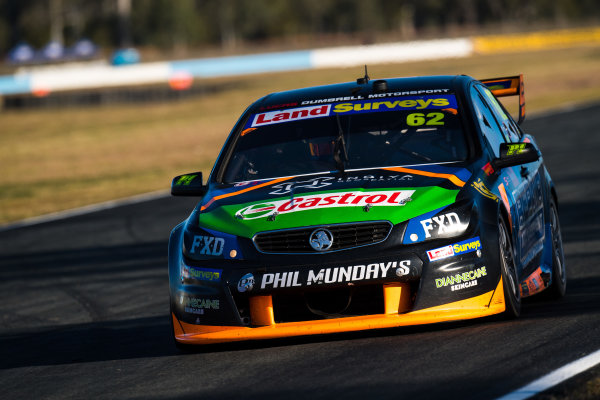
<point x="509" y="129"/>
<point x="487" y="122"/>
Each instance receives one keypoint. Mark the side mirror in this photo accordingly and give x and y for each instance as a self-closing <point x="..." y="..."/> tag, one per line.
<point x="512" y="154"/>
<point x="188" y="185"/>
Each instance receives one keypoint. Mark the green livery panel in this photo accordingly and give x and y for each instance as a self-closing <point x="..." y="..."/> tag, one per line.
<point x="326" y="207"/>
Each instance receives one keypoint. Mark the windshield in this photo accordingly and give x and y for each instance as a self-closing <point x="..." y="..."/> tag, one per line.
<point x="360" y="134"/>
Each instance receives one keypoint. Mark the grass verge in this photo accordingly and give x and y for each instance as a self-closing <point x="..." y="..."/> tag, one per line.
<point x="53" y="160"/>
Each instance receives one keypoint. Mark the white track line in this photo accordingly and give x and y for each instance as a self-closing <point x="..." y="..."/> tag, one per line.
<point x="554" y="378"/>
<point x="86" y="210"/>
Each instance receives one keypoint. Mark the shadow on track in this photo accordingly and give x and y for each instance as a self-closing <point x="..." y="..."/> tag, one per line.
<point x="84" y="263"/>
<point x="134" y="338"/>
<point x="151" y="337"/>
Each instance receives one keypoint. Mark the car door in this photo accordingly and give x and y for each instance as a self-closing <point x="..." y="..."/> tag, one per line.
<point x="520" y="187"/>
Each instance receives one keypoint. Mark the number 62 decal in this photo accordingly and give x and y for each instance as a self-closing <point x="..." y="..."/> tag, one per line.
<point x="418" y="119"/>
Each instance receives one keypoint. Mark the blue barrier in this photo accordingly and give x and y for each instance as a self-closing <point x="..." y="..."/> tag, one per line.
<point x="78" y="77"/>
<point x="249" y="64"/>
<point x="15" y="84"/>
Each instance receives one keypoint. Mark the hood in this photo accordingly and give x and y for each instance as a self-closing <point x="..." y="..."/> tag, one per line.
<point x="393" y="194"/>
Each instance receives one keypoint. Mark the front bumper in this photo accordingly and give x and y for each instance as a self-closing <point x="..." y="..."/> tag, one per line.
<point x="396" y="299"/>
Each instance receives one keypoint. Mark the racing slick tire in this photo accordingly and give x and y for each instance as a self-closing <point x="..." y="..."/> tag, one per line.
<point x="512" y="294"/>
<point x="557" y="288"/>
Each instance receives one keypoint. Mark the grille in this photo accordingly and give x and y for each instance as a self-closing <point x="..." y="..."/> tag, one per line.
<point x="345" y="236"/>
<point x="330" y="303"/>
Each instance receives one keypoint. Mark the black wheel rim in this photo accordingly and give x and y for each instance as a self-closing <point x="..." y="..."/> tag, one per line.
<point x="557" y="245"/>
<point x="508" y="262"/>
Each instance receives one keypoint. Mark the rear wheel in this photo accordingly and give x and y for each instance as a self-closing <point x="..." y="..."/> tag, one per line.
<point x="558" y="286"/>
<point x="512" y="294"/>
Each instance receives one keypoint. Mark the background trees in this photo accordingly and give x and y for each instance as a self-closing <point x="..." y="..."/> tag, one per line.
<point x="182" y="25"/>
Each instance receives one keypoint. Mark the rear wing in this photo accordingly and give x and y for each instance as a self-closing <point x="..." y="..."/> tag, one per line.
<point x="509" y="86"/>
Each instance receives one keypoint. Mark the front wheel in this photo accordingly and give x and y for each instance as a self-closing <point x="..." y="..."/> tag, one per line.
<point x="512" y="294"/>
<point x="557" y="288"/>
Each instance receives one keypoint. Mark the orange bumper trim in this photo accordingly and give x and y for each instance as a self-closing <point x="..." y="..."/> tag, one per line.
<point x="475" y="307"/>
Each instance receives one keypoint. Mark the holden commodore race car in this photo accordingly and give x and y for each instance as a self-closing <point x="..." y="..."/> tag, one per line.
<point x="368" y="204"/>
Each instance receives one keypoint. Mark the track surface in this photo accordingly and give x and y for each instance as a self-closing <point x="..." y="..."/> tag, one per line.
<point x="84" y="307"/>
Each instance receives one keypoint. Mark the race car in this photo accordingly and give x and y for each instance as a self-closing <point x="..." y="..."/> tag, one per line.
<point x="363" y="205"/>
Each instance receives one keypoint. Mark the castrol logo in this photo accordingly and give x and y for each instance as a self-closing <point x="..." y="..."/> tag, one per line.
<point x="326" y="200"/>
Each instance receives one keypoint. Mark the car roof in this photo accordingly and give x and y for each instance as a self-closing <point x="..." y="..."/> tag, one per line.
<point x="422" y="85"/>
<point x="458" y="84"/>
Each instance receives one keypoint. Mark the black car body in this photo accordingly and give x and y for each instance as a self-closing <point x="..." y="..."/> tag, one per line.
<point x="363" y="205"/>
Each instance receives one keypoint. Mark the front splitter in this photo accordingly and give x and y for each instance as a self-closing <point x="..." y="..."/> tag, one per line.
<point x="489" y="303"/>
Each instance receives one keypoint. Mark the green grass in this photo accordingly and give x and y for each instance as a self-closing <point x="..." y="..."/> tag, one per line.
<point x="53" y="160"/>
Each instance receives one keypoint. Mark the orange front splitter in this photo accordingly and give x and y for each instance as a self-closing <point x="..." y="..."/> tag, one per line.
<point x="395" y="302"/>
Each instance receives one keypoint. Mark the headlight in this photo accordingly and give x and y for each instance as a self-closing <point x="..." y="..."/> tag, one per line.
<point x="445" y="222"/>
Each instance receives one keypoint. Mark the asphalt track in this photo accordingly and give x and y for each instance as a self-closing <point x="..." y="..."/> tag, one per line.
<point x="84" y="309"/>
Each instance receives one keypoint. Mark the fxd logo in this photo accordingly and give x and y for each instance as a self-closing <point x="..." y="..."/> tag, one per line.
<point x="445" y="223"/>
<point x="209" y="245"/>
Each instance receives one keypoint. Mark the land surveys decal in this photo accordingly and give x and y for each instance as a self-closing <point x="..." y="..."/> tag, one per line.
<point x="466" y="246"/>
<point x="325" y="200"/>
<point x="436" y="102"/>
